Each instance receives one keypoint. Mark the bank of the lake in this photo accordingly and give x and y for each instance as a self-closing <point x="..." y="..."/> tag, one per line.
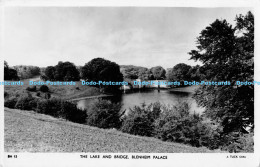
<point x="84" y="95"/>
<point x="66" y="92"/>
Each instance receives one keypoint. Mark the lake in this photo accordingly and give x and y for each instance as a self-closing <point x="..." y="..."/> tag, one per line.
<point x="137" y="97"/>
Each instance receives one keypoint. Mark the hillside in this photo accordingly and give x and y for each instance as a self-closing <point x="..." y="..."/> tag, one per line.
<point x="27" y="131"/>
<point x="66" y="92"/>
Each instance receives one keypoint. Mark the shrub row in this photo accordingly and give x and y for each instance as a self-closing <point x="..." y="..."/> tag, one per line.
<point x="174" y="124"/>
<point x="177" y="124"/>
<point x="43" y="88"/>
<point x="102" y="113"/>
<point x="168" y="123"/>
<point x="54" y="107"/>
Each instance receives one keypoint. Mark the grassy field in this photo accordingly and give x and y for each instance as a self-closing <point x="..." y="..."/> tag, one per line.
<point x="27" y="131"/>
<point x="66" y="92"/>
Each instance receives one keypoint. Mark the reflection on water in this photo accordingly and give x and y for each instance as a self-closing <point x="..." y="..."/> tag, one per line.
<point x="133" y="98"/>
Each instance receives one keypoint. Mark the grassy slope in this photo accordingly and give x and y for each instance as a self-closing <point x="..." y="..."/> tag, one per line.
<point x="64" y="91"/>
<point x="27" y="131"/>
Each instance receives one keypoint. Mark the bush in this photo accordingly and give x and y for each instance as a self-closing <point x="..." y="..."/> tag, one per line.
<point x="32" y="88"/>
<point x="11" y="102"/>
<point x="61" y="109"/>
<point x="33" y="104"/>
<point x="169" y="125"/>
<point x="38" y="94"/>
<point x="47" y="96"/>
<point x="5" y="94"/>
<point x="104" y="114"/>
<point x="246" y="143"/>
<point x="49" y="107"/>
<point x="70" y="112"/>
<point x="210" y="134"/>
<point x="26" y="102"/>
<point x="44" y="88"/>
<point x="44" y="77"/>
<point x="238" y="142"/>
<point x="139" y="120"/>
<point x="176" y="124"/>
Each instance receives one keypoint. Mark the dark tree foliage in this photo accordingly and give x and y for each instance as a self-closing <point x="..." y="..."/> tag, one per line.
<point x="63" y="71"/>
<point x="104" y="114"/>
<point x="177" y="124"/>
<point x="139" y="120"/>
<point x="100" y="69"/>
<point x="49" y="73"/>
<point x="180" y="72"/>
<point x="196" y="73"/>
<point x="25" y="72"/>
<point x="31" y="88"/>
<point x="9" y="73"/>
<point x="227" y="55"/>
<point x="44" y="88"/>
<point x="129" y="72"/>
<point x="145" y="74"/>
<point x="136" y="72"/>
<point x="26" y="102"/>
<point x="66" y="72"/>
<point x="158" y="72"/>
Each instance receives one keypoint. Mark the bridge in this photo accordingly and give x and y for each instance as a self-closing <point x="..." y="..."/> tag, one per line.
<point x="157" y="84"/>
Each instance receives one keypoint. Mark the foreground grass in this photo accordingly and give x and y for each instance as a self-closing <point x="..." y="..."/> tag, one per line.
<point x="27" y="131"/>
<point x="66" y="92"/>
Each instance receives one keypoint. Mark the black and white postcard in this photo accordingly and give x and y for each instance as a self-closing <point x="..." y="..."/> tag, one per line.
<point x="134" y="83"/>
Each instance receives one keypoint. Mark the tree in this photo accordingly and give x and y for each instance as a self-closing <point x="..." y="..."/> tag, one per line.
<point x="99" y="69"/>
<point x="63" y="71"/>
<point x="50" y="72"/>
<point x="196" y="73"/>
<point x="66" y="71"/>
<point x="227" y="55"/>
<point x="129" y="72"/>
<point x="158" y="72"/>
<point x="6" y="71"/>
<point x="13" y="74"/>
<point x="9" y="73"/>
<point x="145" y="74"/>
<point x="134" y="72"/>
<point x="25" y="72"/>
<point x="180" y="72"/>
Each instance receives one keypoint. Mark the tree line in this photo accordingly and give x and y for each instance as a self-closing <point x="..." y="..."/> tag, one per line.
<point x="180" y="72"/>
<point x="26" y="72"/>
<point x="100" y="69"/>
<point x="20" y="72"/>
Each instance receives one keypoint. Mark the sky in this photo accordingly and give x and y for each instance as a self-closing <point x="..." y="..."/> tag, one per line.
<point x="141" y="36"/>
